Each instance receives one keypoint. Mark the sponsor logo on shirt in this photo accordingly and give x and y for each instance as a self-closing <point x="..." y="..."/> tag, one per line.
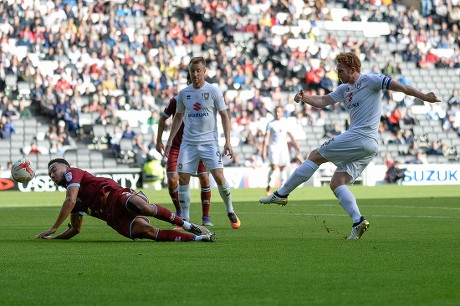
<point x="198" y="115"/>
<point x="188" y="97"/>
<point x="197" y="106"/>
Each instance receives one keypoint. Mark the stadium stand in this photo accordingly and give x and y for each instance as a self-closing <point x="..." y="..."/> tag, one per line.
<point x="75" y="73"/>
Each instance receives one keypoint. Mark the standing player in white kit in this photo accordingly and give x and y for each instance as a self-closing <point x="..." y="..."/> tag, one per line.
<point x="353" y="150"/>
<point x="198" y="105"/>
<point x="276" y="147"/>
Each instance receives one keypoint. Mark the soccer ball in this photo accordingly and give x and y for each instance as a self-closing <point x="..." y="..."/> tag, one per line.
<point x="22" y="171"/>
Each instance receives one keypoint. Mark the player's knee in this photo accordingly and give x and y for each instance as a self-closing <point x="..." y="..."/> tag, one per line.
<point x="332" y="186"/>
<point x="138" y="206"/>
<point x="184" y="179"/>
<point x="218" y="175"/>
<point x="172" y="179"/>
<point x="204" y="180"/>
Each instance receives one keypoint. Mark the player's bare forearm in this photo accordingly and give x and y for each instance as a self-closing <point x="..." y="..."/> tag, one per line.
<point x="177" y="121"/>
<point x="67" y="234"/>
<point x="161" y="128"/>
<point x="316" y="101"/>
<point x="67" y="207"/>
<point x="225" y="124"/>
<point x="73" y="228"/>
<point x="411" y="91"/>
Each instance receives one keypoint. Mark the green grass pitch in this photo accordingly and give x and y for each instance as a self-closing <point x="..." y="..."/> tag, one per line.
<point x="292" y="255"/>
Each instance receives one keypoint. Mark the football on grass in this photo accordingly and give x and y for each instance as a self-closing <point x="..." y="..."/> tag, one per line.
<point x="22" y="171"/>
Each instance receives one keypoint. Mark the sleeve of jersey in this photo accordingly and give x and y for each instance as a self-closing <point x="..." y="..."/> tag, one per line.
<point x="170" y="109"/>
<point x="73" y="177"/>
<point x="385" y="82"/>
<point x="338" y="94"/>
<point x="180" y="107"/>
<point x="219" y="101"/>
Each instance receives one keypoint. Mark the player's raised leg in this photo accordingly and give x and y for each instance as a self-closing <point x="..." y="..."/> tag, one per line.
<point x="299" y="176"/>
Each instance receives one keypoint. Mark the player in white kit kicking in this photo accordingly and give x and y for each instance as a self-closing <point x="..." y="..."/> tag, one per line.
<point x="275" y="145"/>
<point x="353" y="150"/>
<point x="198" y="105"/>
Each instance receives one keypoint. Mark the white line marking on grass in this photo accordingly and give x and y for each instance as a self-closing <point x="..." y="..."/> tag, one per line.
<point x="387" y="206"/>
<point x="371" y="215"/>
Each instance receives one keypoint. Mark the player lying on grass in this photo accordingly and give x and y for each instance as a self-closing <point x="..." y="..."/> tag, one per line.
<point x="122" y="209"/>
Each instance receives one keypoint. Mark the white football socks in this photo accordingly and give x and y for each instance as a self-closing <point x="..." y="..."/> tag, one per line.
<point x="224" y="191"/>
<point x="184" y="200"/>
<point x="348" y="201"/>
<point x="300" y="175"/>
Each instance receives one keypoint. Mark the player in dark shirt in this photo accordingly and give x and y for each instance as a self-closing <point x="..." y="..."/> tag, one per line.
<point x="121" y="208"/>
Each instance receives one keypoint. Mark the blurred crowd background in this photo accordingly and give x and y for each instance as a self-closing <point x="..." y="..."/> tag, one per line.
<point x="88" y="80"/>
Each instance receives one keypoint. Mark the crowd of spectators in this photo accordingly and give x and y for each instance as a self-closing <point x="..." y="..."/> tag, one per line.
<point x="110" y="56"/>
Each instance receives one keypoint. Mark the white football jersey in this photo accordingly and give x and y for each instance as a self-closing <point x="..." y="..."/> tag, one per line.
<point x="278" y="130"/>
<point x="362" y="100"/>
<point x="200" y="107"/>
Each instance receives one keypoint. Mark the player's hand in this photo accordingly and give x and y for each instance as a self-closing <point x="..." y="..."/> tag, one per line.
<point x="228" y="150"/>
<point x="299" y="96"/>
<point x="166" y="152"/>
<point x="160" y="147"/>
<point x="47" y="233"/>
<point x="431" y="97"/>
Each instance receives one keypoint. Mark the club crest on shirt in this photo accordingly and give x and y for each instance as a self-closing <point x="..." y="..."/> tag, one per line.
<point x="205" y="95"/>
<point x="179" y="166"/>
<point x="358" y="86"/>
<point x="68" y="176"/>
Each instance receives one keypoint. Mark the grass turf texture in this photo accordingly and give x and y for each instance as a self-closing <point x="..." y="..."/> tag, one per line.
<point x="293" y="255"/>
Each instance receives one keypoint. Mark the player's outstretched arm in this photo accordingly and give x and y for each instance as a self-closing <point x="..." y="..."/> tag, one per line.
<point x="316" y="101"/>
<point x="72" y="230"/>
<point x="411" y="91"/>
<point x="66" y="209"/>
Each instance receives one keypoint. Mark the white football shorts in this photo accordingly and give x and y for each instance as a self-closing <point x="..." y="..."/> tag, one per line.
<point x="350" y="152"/>
<point x="190" y="155"/>
<point x="278" y="155"/>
